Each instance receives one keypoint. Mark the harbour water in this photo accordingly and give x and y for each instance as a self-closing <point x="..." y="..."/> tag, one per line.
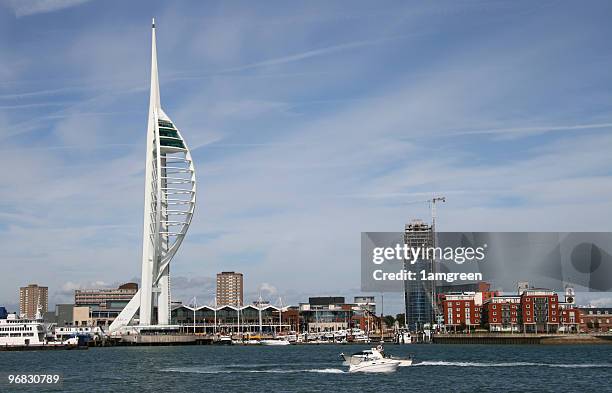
<point x="307" y="368"/>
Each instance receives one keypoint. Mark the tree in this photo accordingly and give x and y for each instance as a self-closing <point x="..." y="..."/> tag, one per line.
<point x="389" y="320"/>
<point x="400" y="319"/>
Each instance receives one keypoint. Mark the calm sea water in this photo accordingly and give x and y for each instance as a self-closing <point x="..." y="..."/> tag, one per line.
<point x="460" y="368"/>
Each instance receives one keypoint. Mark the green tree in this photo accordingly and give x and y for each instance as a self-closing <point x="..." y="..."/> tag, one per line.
<point x="400" y="319"/>
<point x="389" y="320"/>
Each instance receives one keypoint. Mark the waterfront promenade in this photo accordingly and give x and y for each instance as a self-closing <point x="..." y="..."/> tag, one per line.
<point x="523" y="338"/>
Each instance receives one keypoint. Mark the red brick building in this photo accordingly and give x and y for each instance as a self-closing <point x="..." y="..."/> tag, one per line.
<point x="569" y="320"/>
<point x="462" y="310"/>
<point x="503" y="313"/>
<point x="595" y="319"/>
<point x="540" y="311"/>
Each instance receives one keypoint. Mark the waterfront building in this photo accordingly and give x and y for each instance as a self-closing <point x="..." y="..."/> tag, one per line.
<point x="320" y="315"/>
<point x="569" y="320"/>
<point x="81" y="316"/>
<point x="595" y="319"/>
<point x="419" y="296"/>
<point x="366" y="302"/>
<point x="291" y="318"/>
<point x="230" y="289"/>
<point x="540" y="311"/>
<point x="3" y="313"/>
<point x="502" y="313"/>
<point x="31" y="298"/>
<point x="103" y="305"/>
<point x="106" y="298"/>
<point x="532" y="310"/>
<point x="462" y="310"/>
<point x="330" y="317"/>
<point x="169" y="204"/>
<point x="249" y="319"/>
<point x="332" y="314"/>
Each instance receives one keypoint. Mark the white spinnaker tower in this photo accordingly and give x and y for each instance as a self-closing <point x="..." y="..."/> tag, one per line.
<point x="169" y="203"/>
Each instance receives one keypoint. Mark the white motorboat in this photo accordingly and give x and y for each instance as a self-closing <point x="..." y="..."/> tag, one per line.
<point x="377" y="353"/>
<point x="384" y="365"/>
<point x="277" y="341"/>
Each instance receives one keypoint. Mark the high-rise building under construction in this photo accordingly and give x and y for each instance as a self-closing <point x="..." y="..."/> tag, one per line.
<point x="419" y="296"/>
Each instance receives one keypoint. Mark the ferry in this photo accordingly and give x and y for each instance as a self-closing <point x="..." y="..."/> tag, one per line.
<point x="22" y="333"/>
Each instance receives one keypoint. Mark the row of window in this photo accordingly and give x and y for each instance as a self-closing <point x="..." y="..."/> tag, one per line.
<point x="16" y="334"/>
<point x="15" y="328"/>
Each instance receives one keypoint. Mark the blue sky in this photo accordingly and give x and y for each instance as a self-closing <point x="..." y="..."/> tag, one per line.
<point x="309" y="123"/>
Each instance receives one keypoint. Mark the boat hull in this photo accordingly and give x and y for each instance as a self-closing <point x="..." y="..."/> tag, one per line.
<point x="275" y="342"/>
<point x="375" y="366"/>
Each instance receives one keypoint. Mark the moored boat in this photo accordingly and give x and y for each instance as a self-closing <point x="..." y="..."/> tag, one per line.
<point x="275" y="341"/>
<point x="26" y="334"/>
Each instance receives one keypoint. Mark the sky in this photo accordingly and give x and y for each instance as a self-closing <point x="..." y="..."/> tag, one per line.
<point x="309" y="122"/>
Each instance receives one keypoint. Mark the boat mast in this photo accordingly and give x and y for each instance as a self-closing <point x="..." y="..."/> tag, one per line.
<point x="382" y="317"/>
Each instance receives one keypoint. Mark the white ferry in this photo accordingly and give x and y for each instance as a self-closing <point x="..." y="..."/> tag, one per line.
<point x="22" y="333"/>
<point x="94" y="333"/>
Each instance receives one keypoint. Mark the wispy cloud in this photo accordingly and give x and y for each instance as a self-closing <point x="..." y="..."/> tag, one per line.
<point x="511" y="131"/>
<point x="31" y="7"/>
<point x="313" y="53"/>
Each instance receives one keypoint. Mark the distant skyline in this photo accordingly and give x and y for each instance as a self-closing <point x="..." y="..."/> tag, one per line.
<point x="309" y="123"/>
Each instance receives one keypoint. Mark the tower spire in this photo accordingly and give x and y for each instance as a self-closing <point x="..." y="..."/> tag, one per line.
<point x="154" y="100"/>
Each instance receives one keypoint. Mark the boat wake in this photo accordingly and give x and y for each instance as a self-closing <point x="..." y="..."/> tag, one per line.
<point x="232" y="370"/>
<point x="512" y="364"/>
